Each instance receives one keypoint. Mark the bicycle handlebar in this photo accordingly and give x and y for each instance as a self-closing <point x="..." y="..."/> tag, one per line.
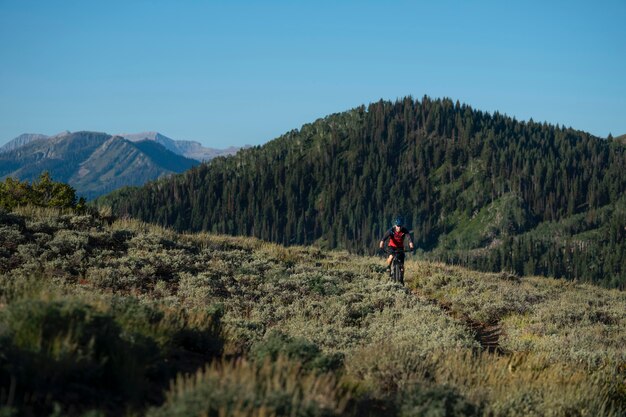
<point x="392" y="251"/>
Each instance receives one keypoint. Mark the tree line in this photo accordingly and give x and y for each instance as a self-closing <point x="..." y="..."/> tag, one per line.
<point x="338" y="182"/>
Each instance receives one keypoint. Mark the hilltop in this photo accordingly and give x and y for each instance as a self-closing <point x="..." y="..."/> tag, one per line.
<point x="102" y="315"/>
<point x="22" y="140"/>
<point x="483" y="190"/>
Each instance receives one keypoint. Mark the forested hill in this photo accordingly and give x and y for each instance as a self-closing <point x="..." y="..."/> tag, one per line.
<point x="477" y="188"/>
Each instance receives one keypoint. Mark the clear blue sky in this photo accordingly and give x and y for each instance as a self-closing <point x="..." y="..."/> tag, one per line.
<point x="234" y="72"/>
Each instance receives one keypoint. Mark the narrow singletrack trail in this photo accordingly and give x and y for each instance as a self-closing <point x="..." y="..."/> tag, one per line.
<point x="487" y="334"/>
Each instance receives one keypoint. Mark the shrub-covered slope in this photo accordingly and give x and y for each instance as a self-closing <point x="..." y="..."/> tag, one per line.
<point x="468" y="183"/>
<point x="132" y="319"/>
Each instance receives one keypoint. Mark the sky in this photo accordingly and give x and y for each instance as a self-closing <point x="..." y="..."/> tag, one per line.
<point x="230" y="73"/>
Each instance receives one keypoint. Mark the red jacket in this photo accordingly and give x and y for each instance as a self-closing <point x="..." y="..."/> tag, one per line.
<point x="396" y="239"/>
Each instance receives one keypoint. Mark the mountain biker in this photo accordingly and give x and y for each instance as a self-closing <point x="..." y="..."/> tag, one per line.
<point x="396" y="236"/>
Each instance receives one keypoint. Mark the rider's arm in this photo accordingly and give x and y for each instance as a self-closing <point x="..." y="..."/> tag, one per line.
<point x="385" y="237"/>
<point x="410" y="238"/>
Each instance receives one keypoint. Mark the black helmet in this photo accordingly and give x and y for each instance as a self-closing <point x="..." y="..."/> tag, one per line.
<point x="398" y="221"/>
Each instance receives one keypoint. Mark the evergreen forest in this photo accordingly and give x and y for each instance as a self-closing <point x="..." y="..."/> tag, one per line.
<point x="477" y="189"/>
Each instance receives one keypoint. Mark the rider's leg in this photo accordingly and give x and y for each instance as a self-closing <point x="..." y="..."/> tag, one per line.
<point x="389" y="259"/>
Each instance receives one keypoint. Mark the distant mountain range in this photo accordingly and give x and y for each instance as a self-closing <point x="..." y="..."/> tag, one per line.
<point x="24" y="139"/>
<point x="97" y="163"/>
<point x="187" y="148"/>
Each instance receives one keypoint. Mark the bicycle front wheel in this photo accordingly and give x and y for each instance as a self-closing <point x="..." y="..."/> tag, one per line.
<point x="397" y="274"/>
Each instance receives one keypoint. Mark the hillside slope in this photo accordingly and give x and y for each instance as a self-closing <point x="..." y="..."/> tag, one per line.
<point x="118" y="163"/>
<point x="289" y="330"/>
<point x="60" y="155"/>
<point x="466" y="181"/>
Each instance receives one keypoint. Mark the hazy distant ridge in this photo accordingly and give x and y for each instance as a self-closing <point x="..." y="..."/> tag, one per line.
<point x="93" y="163"/>
<point x="187" y="148"/>
<point x="98" y="163"/>
<point x="21" y="140"/>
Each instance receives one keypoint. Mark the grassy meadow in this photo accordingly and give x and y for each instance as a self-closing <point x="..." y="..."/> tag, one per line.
<point x="103" y="317"/>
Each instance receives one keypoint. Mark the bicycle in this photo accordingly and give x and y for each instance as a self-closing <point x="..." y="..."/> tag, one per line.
<point x="396" y="273"/>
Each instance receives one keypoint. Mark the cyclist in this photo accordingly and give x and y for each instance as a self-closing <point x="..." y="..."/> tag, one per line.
<point x="396" y="236"/>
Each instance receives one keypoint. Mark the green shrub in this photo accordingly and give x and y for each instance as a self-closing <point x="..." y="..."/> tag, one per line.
<point x="240" y="388"/>
<point x="10" y="219"/>
<point x="70" y="353"/>
<point x="195" y="330"/>
<point x="116" y="241"/>
<point x="277" y="343"/>
<point x="435" y="401"/>
<point x="43" y="192"/>
<point x="10" y="239"/>
<point x="67" y="242"/>
<point x="181" y="340"/>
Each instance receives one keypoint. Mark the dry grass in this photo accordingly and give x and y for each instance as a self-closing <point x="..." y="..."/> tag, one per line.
<point x="331" y="316"/>
<point x="242" y="388"/>
<point x="562" y="320"/>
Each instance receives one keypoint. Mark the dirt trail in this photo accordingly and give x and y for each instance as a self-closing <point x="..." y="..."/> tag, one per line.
<point x="487" y="334"/>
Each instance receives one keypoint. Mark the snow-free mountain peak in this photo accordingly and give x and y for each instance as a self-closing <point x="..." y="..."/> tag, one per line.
<point x="187" y="148"/>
